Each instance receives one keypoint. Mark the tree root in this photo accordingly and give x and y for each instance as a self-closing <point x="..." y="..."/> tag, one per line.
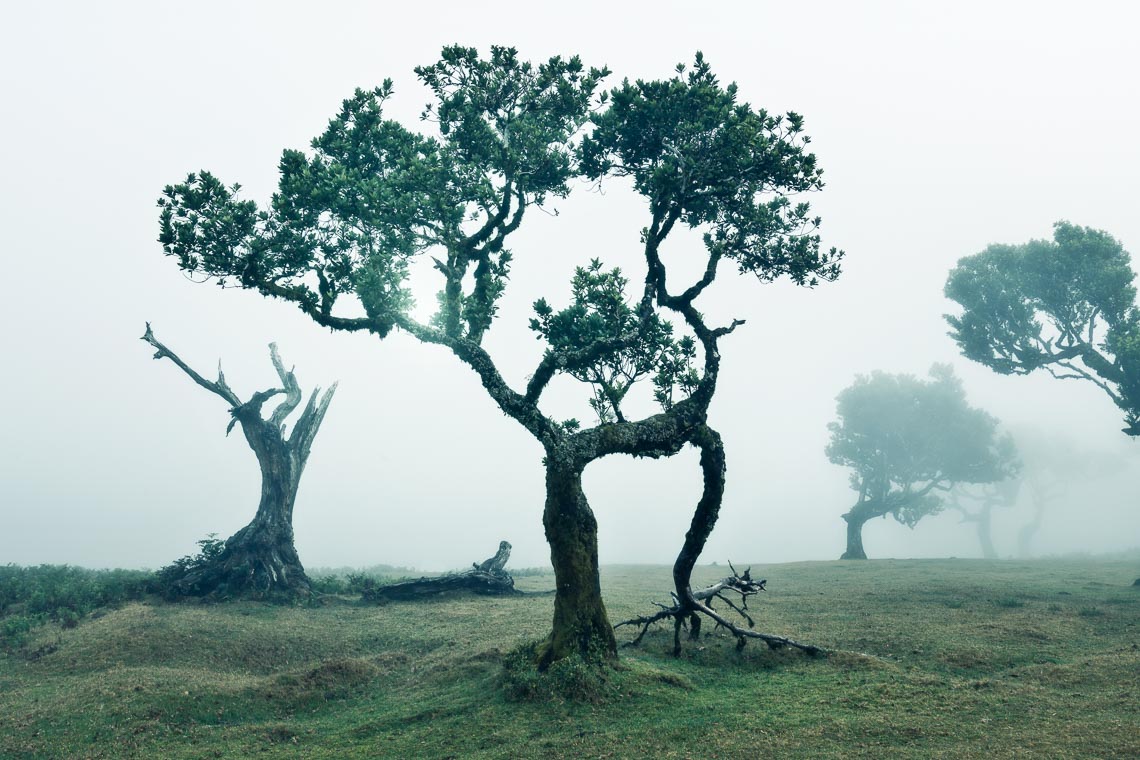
<point x="689" y="611"/>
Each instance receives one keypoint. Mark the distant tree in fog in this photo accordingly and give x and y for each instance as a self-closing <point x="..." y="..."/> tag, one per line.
<point x="1066" y="306"/>
<point x="1056" y="469"/>
<point x="908" y="441"/>
<point x="976" y="505"/>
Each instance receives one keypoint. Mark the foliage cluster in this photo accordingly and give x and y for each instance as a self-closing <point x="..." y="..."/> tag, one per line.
<point x="63" y="594"/>
<point x="170" y="581"/>
<point x="908" y="441"/>
<point x="1066" y="306"/>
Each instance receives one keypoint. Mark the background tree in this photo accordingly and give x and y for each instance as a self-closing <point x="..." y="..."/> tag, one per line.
<point x="1000" y="495"/>
<point x="907" y="442"/>
<point x="1065" y="305"/>
<point x="347" y="221"/>
<point x="1057" y="474"/>
<point x="260" y="559"/>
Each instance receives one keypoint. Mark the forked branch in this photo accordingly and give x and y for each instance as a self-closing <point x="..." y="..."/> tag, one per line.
<point x="687" y="612"/>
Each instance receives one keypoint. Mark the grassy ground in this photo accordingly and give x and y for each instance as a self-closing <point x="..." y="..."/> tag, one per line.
<point x="952" y="658"/>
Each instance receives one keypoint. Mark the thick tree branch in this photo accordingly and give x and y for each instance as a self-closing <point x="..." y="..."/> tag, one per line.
<point x="292" y="389"/>
<point x="513" y="404"/>
<point x="301" y="439"/>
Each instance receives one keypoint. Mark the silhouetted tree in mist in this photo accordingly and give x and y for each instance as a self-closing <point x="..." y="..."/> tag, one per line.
<point x="908" y="441"/>
<point x="1066" y="306"/>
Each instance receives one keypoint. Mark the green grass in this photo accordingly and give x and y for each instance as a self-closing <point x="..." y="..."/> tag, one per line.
<point x="948" y="658"/>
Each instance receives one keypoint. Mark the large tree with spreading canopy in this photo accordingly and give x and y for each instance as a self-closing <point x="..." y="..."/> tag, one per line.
<point x="1066" y="306"/>
<point x="908" y="441"/>
<point x="350" y="217"/>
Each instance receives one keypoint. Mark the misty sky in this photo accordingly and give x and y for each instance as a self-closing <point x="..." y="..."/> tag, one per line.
<point x="940" y="129"/>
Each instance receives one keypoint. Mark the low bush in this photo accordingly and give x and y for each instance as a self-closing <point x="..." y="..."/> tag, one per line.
<point x="33" y="596"/>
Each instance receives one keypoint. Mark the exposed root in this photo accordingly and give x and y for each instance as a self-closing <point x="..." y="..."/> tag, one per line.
<point x="688" y="611"/>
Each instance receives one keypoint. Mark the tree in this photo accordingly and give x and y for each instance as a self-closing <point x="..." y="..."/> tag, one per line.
<point x="1001" y="495"/>
<point x="909" y="441"/>
<point x="1066" y="306"/>
<point x="348" y="219"/>
<point x="260" y="559"/>
<point x="1055" y="467"/>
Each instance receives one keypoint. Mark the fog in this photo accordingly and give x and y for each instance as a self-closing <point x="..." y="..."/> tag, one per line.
<point x="940" y="129"/>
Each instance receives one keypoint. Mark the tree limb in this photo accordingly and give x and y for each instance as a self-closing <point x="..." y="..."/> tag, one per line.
<point x="219" y="387"/>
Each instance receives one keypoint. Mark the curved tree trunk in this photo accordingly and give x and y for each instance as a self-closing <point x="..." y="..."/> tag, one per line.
<point x="854" y="536"/>
<point x="689" y="604"/>
<point x="704" y="520"/>
<point x="581" y="625"/>
<point x="260" y="560"/>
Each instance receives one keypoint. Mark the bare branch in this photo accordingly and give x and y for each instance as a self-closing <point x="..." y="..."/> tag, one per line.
<point x="301" y="439"/>
<point x="292" y="390"/>
<point x="219" y="387"/>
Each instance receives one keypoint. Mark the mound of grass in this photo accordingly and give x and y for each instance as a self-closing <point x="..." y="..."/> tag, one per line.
<point x="908" y="675"/>
<point x="34" y="596"/>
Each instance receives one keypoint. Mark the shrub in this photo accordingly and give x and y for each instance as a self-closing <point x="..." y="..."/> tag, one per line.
<point x="573" y="679"/>
<point x="169" y="581"/>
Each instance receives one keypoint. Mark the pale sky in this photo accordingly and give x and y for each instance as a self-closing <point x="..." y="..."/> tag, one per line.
<point x="941" y="128"/>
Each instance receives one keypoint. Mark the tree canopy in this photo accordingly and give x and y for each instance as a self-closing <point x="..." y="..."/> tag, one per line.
<point x="347" y="220"/>
<point x="1066" y="306"/>
<point x="908" y="441"/>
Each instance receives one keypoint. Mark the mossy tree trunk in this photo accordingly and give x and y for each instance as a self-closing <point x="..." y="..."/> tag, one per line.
<point x="580" y="626"/>
<point x="261" y="559"/>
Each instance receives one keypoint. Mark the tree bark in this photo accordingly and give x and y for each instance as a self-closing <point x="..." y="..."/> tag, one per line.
<point x="260" y="560"/>
<point x="581" y="626"/>
<point x="1028" y="531"/>
<point x="854" y="536"/>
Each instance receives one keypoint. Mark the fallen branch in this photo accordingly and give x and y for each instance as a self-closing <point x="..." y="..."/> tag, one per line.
<point x="700" y="602"/>
<point x="486" y="578"/>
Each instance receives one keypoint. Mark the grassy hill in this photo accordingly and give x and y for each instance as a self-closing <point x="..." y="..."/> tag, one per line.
<point x="930" y="658"/>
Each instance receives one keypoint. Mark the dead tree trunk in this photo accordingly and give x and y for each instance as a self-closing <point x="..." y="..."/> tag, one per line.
<point x="260" y="560"/>
<point x="487" y="577"/>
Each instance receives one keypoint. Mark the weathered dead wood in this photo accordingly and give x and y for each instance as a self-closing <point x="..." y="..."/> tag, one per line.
<point x="486" y="578"/>
<point x="260" y="559"/>
<point x="688" y="615"/>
